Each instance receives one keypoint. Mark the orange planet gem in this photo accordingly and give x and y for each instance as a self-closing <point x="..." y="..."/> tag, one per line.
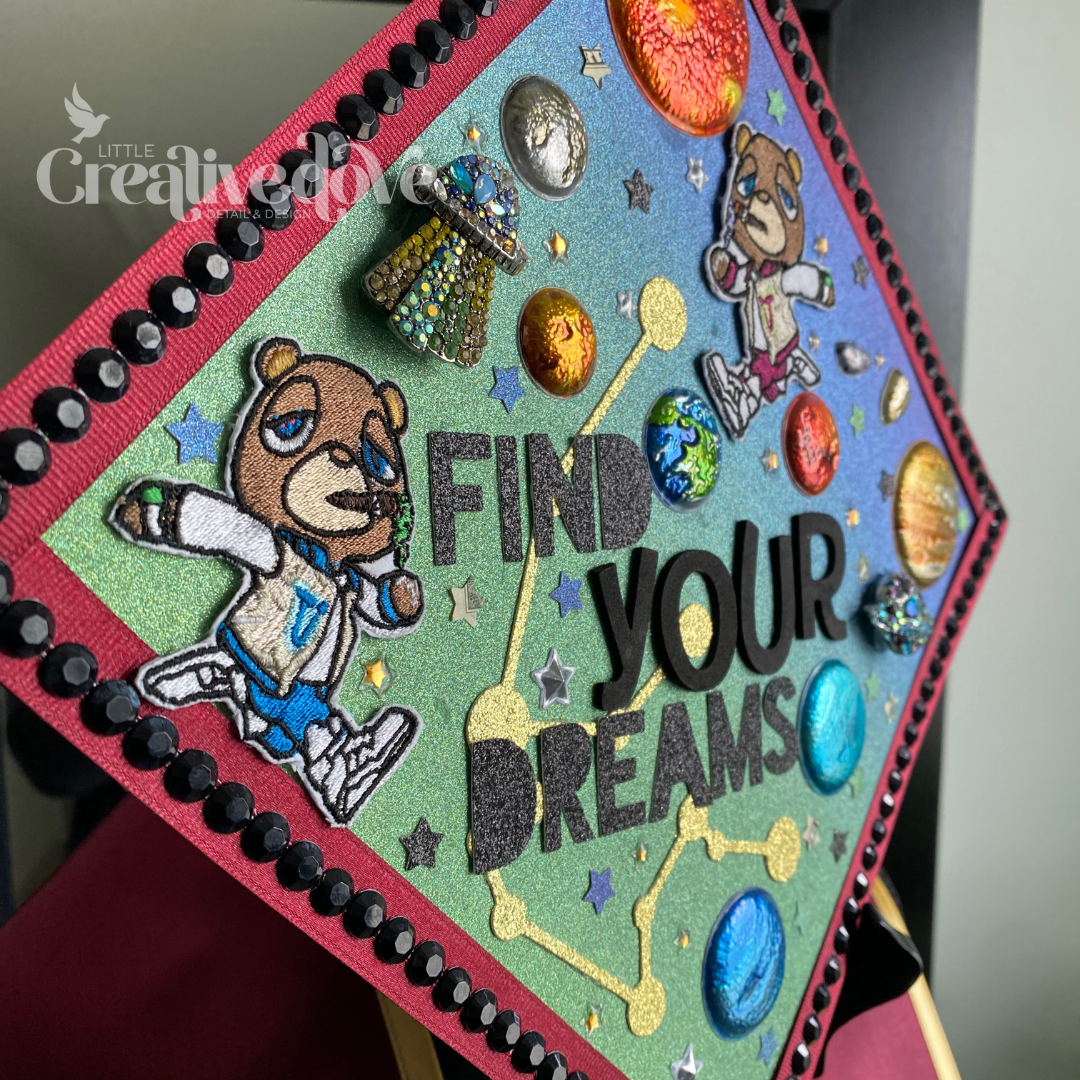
<point x="811" y="444"/>
<point x="926" y="504"/>
<point x="690" y="58"/>
<point x="557" y="342"/>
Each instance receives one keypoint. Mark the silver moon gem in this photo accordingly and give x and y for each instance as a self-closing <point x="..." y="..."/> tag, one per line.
<point x="544" y="137"/>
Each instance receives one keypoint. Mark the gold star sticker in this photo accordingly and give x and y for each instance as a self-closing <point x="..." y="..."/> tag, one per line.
<point x="852" y="518"/>
<point x="592" y="1019"/>
<point x="557" y="247"/>
<point x="474" y="136"/>
<point x="683" y="940"/>
<point x="814" y="340"/>
<point x="641" y="852"/>
<point x="879" y="359"/>
<point x="467" y="603"/>
<point x="770" y="460"/>
<point x="862" y="568"/>
<point x="821" y="246"/>
<point x="377" y="674"/>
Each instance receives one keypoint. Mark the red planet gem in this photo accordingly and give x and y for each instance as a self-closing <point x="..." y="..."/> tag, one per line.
<point x="811" y="444"/>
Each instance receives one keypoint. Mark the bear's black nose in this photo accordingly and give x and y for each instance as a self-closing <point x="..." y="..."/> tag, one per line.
<point x="342" y="456"/>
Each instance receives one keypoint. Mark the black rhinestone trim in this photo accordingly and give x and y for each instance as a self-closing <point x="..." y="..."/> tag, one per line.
<point x="776" y="8"/>
<point x="789" y="36"/>
<point x="301" y="866"/>
<point x="435" y="42"/>
<point x="452" y="990"/>
<point x="800" y="1059"/>
<point x="815" y="95"/>
<point x="110" y="708"/>
<point x="62" y="414"/>
<point x="303" y="173"/>
<point x="102" y="375"/>
<point x="863" y="202"/>
<point x="426" y="963"/>
<point x="329" y="141"/>
<point x="479" y="1012"/>
<point x="802" y="65"/>
<point x="887" y="805"/>
<point x="229" y="808"/>
<point x="358" y="117"/>
<point x="209" y="268"/>
<point x="831" y="972"/>
<point x="365" y="914"/>
<point x="271" y="204"/>
<point x="175" y="302"/>
<point x="334" y="891"/>
<point x="240" y="236"/>
<point x="841" y="939"/>
<point x="860" y="886"/>
<point x="409" y="66"/>
<point x="152" y="743"/>
<point x="24" y="456"/>
<point x="869" y="856"/>
<point x="265" y="837"/>
<point x="384" y="92"/>
<point x="811" y="1031"/>
<point x="878" y="830"/>
<point x="822" y="998"/>
<point x="191" y="776"/>
<point x="26" y="629"/>
<point x="827" y="123"/>
<point x="69" y="670"/>
<point x="504" y="1032"/>
<point x="529" y="1051"/>
<point x="139" y="336"/>
<point x="395" y="940"/>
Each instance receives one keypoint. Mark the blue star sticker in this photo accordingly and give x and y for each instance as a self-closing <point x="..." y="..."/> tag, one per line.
<point x="507" y="387"/>
<point x="196" y="435"/>
<point x="567" y="595"/>
<point x="600" y="890"/>
<point x="768" y="1046"/>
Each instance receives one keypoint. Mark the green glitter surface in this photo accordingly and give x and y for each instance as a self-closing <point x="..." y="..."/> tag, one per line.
<point x="439" y="670"/>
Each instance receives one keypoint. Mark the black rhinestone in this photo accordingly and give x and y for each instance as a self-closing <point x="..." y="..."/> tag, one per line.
<point x="850" y="912"/>
<point x="913" y="321"/>
<point x="940" y="385"/>
<point x="895" y="274"/>
<point x="911" y="733"/>
<point x="859" y="886"/>
<point x="903" y="757"/>
<point x="926" y="689"/>
<point x="968" y="588"/>
<point x="811" y="1029"/>
<point x="822" y="997"/>
<point x="358" y="117"/>
<point x="982" y="481"/>
<point x="973" y="462"/>
<point x="395" y="939"/>
<point x="815" y="95"/>
<point x="869" y="856"/>
<point x="930" y="362"/>
<point x="333" y="892"/>
<point x="102" y="375"/>
<point x="994" y="531"/>
<point x="802" y="66"/>
<point x="884" y="251"/>
<point x="952" y="627"/>
<point x="5" y="500"/>
<point x="904" y="297"/>
<point x="365" y="914"/>
<point x="434" y="41"/>
<point x="852" y="176"/>
<point x="139" y="336"/>
<point x="174" y="301"/>
<point x="943" y="646"/>
<point x="832" y="970"/>
<point x="918" y="710"/>
<point x="426" y="963"/>
<point x="838" y="148"/>
<point x="302" y="173"/>
<point x="62" y="414"/>
<point x="948" y="406"/>
<point x="229" y="808"/>
<point x="452" y="990"/>
<point x="841" y="939"/>
<point x="26" y="629"/>
<point x="301" y="866"/>
<point x="69" y="670"/>
<point x="265" y="837"/>
<point x="986" y="549"/>
<point x="191" y="776"/>
<point x="152" y="743"/>
<point x="409" y="66"/>
<point x="24" y="456"/>
<point x="329" y="143"/>
<point x="922" y="342"/>
<point x="978" y="568"/>
<point x="504" y="1032"/>
<point x="529" y="1051"/>
<point x="240" y="236"/>
<point x="553" y="1067"/>
<point x="964" y="442"/>
<point x="957" y="425"/>
<point x="478" y="1013"/>
<point x="935" y="668"/>
<point x="895" y="781"/>
<point x="800" y="1059"/>
<point x="776" y="8"/>
<point x="271" y="204"/>
<point x="874" y="227"/>
<point x="789" y="36"/>
<point x="110" y="708"/>
<point x="827" y="123"/>
<point x="7" y="584"/>
<point x="484" y="8"/>
<point x="863" y="202"/>
<point x="887" y="805"/>
<point x="578" y="1074"/>
<point x="384" y="91"/>
<point x="878" y="831"/>
<point x="209" y="269"/>
<point x="999" y="514"/>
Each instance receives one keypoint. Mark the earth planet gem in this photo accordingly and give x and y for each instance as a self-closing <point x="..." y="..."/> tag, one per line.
<point x="811" y="444"/>
<point x="832" y="727"/>
<point x="557" y="342"/>
<point x="682" y="446"/>
<point x="926" y="504"/>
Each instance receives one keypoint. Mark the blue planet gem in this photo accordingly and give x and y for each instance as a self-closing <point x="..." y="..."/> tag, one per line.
<point x="744" y="964"/>
<point x="832" y="726"/>
<point x="900" y="615"/>
<point x="461" y="176"/>
<point x="484" y="189"/>
<point x="682" y="445"/>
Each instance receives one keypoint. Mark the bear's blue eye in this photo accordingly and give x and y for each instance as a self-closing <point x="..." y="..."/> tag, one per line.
<point x="746" y="185"/>
<point x="285" y="433"/>
<point x="286" y="426"/>
<point x="788" y="202"/>
<point x="377" y="462"/>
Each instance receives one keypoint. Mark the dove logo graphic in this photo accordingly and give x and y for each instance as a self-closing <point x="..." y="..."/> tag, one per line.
<point x="82" y="116"/>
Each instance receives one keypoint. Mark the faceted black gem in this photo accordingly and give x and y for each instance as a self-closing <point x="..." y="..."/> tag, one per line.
<point x="62" y="414"/>
<point x="802" y="66"/>
<point x="271" y="204"/>
<point x="838" y="149"/>
<point x="911" y="733"/>
<point x="815" y="95"/>
<point x="832" y="970"/>
<point x="529" y="1052"/>
<point x="151" y="743"/>
<point x="24" y="456"/>
<point x="776" y="8"/>
<point x="918" y="710"/>
<point x="964" y="442"/>
<point x="175" y="302"/>
<point x="229" y="808"/>
<point x="841" y="939"/>
<point x="789" y="36"/>
<point x="395" y="939"/>
<point x="986" y="549"/>
<point x="887" y="805"/>
<point x="869" y="856"/>
<point x="484" y="8"/>
<point x="913" y="321"/>
<point x="241" y="237"/>
<point x="940" y="386"/>
<point x="409" y="66"/>
<point x="926" y="689"/>
<point x="874" y="227"/>
<point x="302" y="173"/>
<point x="878" y="830"/>
<point x="811" y="1029"/>
<point x="973" y="459"/>
<point x="895" y="274"/>
<point x="822" y="997"/>
<point x="5" y="500"/>
<point x="935" y="668"/>
<point x="903" y="757"/>
<point x="26" y="629"/>
<point x="505" y="1031"/>
<point x="863" y="202"/>
<point x="850" y="912"/>
<point x="896" y="781"/>
<point x="578" y="1074"/>
<point x="102" y="375"/>
<point x="458" y="18"/>
<point x="7" y="583"/>
<point x="111" y="707"/>
<point x="884" y="251"/>
<point x="358" y="117"/>
<point x="957" y="425"/>
<point x="265" y="837"/>
<point x="209" y="269"/>
<point x="191" y="776"/>
<point x="69" y="670"/>
<point x="139" y="336"/>
<point x="479" y="1012"/>
<point x="333" y="893"/>
<point x="852" y="176"/>
<point x="553" y="1067"/>
<point x="434" y="41"/>
<point x="426" y="963"/>
<point x="301" y="866"/>
<point x="826" y="122"/>
<point x="384" y="92"/>
<point x="800" y="1059"/>
<point x="452" y="990"/>
<point x="860" y="886"/>
<point x="330" y="145"/>
<point x="365" y="914"/>
<point x="903" y="297"/>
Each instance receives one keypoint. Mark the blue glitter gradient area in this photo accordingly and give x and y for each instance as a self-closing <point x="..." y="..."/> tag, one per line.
<point x="744" y="964"/>
<point x="832" y="727"/>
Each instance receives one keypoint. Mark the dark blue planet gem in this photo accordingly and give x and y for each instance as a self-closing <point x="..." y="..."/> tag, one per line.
<point x="832" y="726"/>
<point x="744" y="964"/>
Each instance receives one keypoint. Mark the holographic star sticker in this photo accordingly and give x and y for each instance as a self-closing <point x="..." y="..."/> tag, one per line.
<point x="768" y="1046"/>
<point x="695" y="174"/>
<point x="507" y="387"/>
<point x="640" y="193"/>
<point x="770" y="460"/>
<point x="377" y="674"/>
<point x="567" y="595"/>
<point x="557" y="247"/>
<point x="625" y="306"/>
<point x="838" y="847"/>
<point x="600" y="890"/>
<point x="687" y="1067"/>
<point x="861" y="272"/>
<point x="862" y="568"/>
<point x="777" y="108"/>
<point x="852" y="517"/>
<point x="197" y="437"/>
<point x="963" y="519"/>
<point x="474" y="136"/>
<point x="892" y="703"/>
<point x="467" y="603"/>
<point x="810" y="833"/>
<point x="593" y="66"/>
<point x="554" y="681"/>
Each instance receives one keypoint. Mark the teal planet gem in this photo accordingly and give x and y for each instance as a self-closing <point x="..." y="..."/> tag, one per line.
<point x="682" y="445"/>
<point x="483" y="189"/>
<point x="461" y="176"/>
<point x="743" y="967"/>
<point x="832" y="727"/>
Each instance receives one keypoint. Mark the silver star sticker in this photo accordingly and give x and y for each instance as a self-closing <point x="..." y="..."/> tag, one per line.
<point x="687" y="1067"/>
<point x="695" y="174"/>
<point x="861" y="272"/>
<point x="554" y="681"/>
<point x="810" y="833"/>
<point x="624" y="305"/>
<point x="467" y="603"/>
<point x="892" y="703"/>
<point x="886" y="485"/>
<point x="862" y="568"/>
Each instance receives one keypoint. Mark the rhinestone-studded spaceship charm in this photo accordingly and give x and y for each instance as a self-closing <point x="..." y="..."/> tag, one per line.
<point x="437" y="286"/>
<point x="900" y="615"/>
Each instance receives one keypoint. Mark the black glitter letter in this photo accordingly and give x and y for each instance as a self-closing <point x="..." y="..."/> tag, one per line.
<point x="774" y="762"/>
<point x="765" y="661"/>
<point x="548" y="482"/>
<point x="677" y="762"/>
<point x="724" y="751"/>
<point x="503" y="803"/>
<point x="625" y="491"/>
<point x="506" y="472"/>
<point x="609" y="772"/>
<point x="448" y="498"/>
<point x="815" y="595"/>
<point x="565" y="760"/>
